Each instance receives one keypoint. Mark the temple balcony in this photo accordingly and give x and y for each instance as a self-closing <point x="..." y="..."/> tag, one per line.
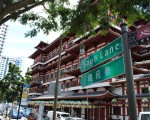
<point x="98" y="40"/>
<point x="61" y="79"/>
<point x="35" y="83"/>
<point x="73" y="72"/>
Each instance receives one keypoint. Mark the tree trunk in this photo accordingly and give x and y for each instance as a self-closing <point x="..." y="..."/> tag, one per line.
<point x="7" y="109"/>
<point x="1" y="5"/>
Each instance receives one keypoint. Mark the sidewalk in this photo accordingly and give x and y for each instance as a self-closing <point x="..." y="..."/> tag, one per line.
<point x="3" y="118"/>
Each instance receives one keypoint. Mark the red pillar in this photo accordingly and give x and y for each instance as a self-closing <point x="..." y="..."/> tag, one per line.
<point x="123" y="110"/>
<point x="107" y="111"/>
<point x="138" y="92"/>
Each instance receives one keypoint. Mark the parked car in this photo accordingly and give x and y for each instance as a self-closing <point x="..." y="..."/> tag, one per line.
<point x="59" y="115"/>
<point x="74" y="118"/>
<point x="20" y="109"/>
<point x="26" y="112"/>
<point x="144" y="116"/>
<point x="14" y="114"/>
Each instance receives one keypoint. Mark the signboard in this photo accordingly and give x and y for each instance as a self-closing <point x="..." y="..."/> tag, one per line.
<point x="107" y="52"/>
<point x="103" y="72"/>
<point x="140" y="36"/>
<point x="25" y="93"/>
<point x="143" y="32"/>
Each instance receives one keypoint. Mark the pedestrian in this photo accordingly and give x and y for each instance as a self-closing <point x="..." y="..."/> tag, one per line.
<point x="31" y="117"/>
<point x="45" y="117"/>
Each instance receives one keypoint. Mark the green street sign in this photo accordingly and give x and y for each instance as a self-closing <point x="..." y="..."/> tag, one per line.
<point x="107" y="52"/>
<point x="103" y="72"/>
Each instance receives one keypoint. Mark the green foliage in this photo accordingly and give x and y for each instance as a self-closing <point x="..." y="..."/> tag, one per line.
<point x="80" y="19"/>
<point x="86" y="16"/>
<point x="28" y="77"/>
<point x="11" y="84"/>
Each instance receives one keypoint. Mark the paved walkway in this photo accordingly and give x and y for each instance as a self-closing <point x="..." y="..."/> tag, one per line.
<point x="3" y="118"/>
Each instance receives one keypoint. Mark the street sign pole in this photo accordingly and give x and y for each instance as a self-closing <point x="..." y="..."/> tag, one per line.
<point x="20" y="100"/>
<point x="129" y="73"/>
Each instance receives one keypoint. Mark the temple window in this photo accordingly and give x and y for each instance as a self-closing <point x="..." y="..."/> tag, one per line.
<point x="75" y="66"/>
<point x="146" y="109"/>
<point x="68" y="68"/>
<point x="120" y="77"/>
<point x="45" y="88"/>
<point x="43" y="58"/>
<point x="117" y="110"/>
<point x="81" y="59"/>
<point x="144" y="90"/>
<point x="67" y="85"/>
<point x="70" y="44"/>
<point x="41" y="78"/>
<point x="47" y="77"/>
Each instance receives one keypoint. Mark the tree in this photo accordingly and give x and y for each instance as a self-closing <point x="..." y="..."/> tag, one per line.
<point x="12" y="83"/>
<point x="11" y="9"/>
<point x="80" y="19"/>
<point x="85" y="16"/>
<point x="28" y="77"/>
<point x="1" y="93"/>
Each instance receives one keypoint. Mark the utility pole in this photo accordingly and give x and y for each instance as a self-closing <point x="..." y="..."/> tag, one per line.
<point x="57" y="80"/>
<point x="129" y="73"/>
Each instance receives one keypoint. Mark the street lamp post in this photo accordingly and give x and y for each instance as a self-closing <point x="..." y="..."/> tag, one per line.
<point x="57" y="79"/>
<point x="129" y="73"/>
<point x="20" y="100"/>
<point x="82" y="48"/>
<point x="82" y="51"/>
<point x="87" y="103"/>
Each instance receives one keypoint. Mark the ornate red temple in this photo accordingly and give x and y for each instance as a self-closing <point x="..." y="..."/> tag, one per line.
<point x="99" y="101"/>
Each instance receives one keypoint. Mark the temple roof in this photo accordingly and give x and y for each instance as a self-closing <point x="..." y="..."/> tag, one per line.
<point x="36" y="53"/>
<point x="41" y="45"/>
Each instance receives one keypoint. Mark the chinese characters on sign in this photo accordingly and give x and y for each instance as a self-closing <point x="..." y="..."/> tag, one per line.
<point x="107" y="52"/>
<point x="103" y="72"/>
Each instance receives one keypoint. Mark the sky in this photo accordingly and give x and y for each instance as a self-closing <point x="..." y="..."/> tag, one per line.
<point x="17" y="45"/>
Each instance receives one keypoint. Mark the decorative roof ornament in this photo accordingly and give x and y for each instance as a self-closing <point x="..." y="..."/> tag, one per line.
<point x="144" y="100"/>
<point x="114" y="100"/>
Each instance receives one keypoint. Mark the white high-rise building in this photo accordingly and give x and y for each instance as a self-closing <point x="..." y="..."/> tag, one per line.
<point x="4" y="64"/>
<point x="3" y="32"/>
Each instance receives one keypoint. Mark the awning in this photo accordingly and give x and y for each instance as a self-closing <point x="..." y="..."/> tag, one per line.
<point x="93" y="95"/>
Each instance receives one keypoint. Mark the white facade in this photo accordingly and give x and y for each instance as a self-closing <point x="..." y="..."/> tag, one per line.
<point x="3" y="32"/>
<point x="4" y="64"/>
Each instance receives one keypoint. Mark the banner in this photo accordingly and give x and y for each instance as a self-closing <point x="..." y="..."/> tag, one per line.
<point x="25" y="92"/>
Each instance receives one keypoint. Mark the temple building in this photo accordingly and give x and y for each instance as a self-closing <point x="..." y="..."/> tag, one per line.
<point x="101" y="100"/>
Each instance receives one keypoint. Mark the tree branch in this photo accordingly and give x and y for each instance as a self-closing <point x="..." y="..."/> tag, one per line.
<point x="46" y="9"/>
<point x="14" y="7"/>
<point x="16" y="14"/>
<point x="17" y="6"/>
